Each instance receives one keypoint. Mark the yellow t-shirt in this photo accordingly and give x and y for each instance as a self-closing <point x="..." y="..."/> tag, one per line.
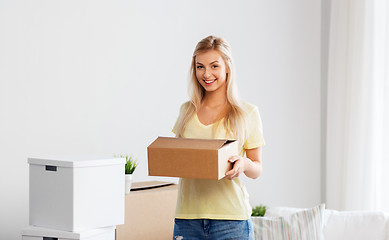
<point x="217" y="199"/>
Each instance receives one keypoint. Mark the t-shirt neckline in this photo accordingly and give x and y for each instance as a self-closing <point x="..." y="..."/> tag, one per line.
<point x="208" y="125"/>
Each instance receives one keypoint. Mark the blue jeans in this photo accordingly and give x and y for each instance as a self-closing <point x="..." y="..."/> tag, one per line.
<point x="208" y="229"/>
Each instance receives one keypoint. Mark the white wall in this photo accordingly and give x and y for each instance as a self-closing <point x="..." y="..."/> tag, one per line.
<point x="325" y="33"/>
<point x="107" y="77"/>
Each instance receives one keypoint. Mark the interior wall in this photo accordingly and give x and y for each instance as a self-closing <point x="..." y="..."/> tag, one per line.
<point x="107" y="77"/>
<point x="325" y="33"/>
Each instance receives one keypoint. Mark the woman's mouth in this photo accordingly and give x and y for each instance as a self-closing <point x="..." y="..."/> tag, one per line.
<point x="209" y="81"/>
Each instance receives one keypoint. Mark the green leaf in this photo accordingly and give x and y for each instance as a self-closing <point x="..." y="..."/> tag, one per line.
<point x="259" y="211"/>
<point x="131" y="164"/>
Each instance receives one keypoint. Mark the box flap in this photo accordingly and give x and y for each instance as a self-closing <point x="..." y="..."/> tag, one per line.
<point x="188" y="143"/>
<point x="76" y="161"/>
<point x="138" y="186"/>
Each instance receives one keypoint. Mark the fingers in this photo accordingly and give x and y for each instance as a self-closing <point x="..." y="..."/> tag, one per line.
<point x="236" y="170"/>
<point x="233" y="173"/>
<point x="232" y="176"/>
<point x="233" y="159"/>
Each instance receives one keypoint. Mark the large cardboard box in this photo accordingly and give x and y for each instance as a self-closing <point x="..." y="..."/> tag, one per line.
<point x="149" y="212"/>
<point x="38" y="233"/>
<point x="190" y="158"/>
<point x="72" y="193"/>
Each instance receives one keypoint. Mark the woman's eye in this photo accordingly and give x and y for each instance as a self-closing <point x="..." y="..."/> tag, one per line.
<point x="199" y="67"/>
<point x="215" y="66"/>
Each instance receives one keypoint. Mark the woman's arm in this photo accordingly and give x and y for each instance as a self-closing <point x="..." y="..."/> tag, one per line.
<point x="251" y="165"/>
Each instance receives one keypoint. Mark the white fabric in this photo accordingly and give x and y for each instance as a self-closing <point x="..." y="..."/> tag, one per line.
<point x="281" y="211"/>
<point x="345" y="225"/>
<point x="358" y="106"/>
<point x="304" y="224"/>
<point x="355" y="225"/>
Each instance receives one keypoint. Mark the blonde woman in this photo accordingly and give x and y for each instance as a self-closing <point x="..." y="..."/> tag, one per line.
<point x="217" y="209"/>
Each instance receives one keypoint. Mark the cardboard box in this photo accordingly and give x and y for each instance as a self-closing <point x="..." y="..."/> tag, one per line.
<point x="38" y="233"/>
<point x="72" y="193"/>
<point x="190" y="158"/>
<point x="149" y="212"/>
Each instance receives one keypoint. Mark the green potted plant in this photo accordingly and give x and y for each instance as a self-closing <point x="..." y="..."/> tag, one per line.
<point x="259" y="211"/>
<point x="130" y="167"/>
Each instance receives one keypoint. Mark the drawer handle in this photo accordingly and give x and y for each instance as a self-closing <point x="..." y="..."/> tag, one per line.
<point x="53" y="169"/>
<point x="49" y="238"/>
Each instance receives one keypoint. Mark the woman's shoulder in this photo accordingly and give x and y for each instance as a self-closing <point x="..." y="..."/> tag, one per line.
<point x="248" y="107"/>
<point x="185" y="106"/>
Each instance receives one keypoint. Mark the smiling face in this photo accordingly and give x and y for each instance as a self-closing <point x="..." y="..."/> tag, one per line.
<point x="211" y="71"/>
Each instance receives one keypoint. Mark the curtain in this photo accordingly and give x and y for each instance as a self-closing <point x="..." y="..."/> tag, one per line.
<point x="357" y="142"/>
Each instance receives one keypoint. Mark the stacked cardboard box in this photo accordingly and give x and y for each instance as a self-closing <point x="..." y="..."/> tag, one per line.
<point x="149" y="211"/>
<point x="75" y="198"/>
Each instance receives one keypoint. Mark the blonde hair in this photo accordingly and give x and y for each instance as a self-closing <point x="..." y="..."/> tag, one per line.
<point x="234" y="120"/>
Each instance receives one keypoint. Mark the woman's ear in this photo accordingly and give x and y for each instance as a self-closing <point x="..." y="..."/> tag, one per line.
<point x="227" y="71"/>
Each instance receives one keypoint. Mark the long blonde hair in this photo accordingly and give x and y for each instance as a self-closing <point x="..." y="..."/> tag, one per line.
<point x="235" y="118"/>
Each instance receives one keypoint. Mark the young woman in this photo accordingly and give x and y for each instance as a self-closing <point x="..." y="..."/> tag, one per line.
<point x="217" y="209"/>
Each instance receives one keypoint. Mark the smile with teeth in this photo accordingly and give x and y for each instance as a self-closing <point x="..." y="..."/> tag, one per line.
<point x="209" y="81"/>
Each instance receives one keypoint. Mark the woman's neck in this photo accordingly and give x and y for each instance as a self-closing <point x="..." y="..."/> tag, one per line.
<point x="213" y="107"/>
<point x="215" y="98"/>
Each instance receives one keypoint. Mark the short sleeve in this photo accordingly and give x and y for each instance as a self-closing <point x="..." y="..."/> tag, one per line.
<point x="254" y="130"/>
<point x="183" y="109"/>
<point x="174" y="130"/>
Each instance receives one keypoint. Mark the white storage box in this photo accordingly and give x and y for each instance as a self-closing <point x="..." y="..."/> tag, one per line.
<point x="38" y="233"/>
<point x="76" y="193"/>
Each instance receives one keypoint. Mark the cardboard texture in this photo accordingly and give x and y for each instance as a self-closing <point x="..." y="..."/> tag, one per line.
<point x="149" y="212"/>
<point x="190" y="158"/>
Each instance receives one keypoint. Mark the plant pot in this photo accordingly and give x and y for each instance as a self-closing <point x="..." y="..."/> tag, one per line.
<point x="128" y="183"/>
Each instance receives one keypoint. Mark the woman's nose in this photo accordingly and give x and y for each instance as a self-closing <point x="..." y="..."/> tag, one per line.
<point x="207" y="73"/>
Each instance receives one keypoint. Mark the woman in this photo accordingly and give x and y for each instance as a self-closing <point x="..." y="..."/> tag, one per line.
<point x="217" y="209"/>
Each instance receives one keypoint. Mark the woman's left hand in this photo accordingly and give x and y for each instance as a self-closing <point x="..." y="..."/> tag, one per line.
<point x="251" y="165"/>
<point x="239" y="166"/>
